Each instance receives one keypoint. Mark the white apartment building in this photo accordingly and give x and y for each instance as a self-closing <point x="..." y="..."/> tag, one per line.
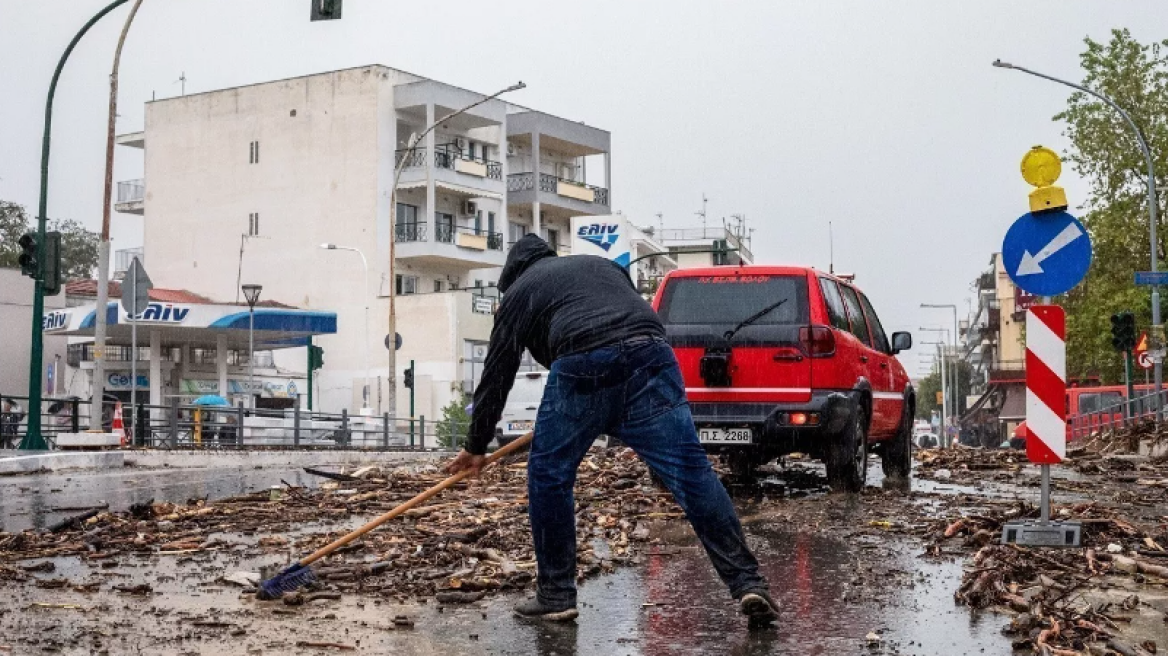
<point x="244" y="185"/>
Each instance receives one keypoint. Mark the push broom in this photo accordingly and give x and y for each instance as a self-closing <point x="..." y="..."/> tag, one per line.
<point x="300" y="573"/>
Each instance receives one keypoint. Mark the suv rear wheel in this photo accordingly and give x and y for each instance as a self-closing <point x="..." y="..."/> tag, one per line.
<point x="896" y="454"/>
<point x="847" y="456"/>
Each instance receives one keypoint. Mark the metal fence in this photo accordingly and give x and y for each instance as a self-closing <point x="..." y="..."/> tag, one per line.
<point x="182" y="426"/>
<point x="1125" y="413"/>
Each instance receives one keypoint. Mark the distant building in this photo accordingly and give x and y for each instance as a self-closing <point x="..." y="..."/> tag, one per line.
<point x="16" y="346"/>
<point x="243" y="185"/>
<point x="690" y="246"/>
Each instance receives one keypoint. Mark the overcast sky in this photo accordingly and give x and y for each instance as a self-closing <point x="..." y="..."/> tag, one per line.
<point x="884" y="117"/>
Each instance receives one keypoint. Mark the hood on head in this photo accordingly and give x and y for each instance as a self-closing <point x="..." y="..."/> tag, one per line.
<point x="527" y="251"/>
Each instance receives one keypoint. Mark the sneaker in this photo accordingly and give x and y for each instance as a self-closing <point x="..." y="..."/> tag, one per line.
<point x="534" y="609"/>
<point x="758" y="606"/>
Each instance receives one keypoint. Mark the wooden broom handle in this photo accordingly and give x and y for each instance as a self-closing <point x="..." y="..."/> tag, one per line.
<point x="342" y="541"/>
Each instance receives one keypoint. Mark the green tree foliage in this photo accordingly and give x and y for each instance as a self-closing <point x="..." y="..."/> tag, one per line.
<point x="13" y="224"/>
<point x="931" y="384"/>
<point x="78" y="249"/>
<point x="451" y="429"/>
<point x="1105" y="153"/>
<point x="78" y="245"/>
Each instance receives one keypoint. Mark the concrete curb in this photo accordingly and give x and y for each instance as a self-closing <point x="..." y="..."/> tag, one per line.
<point x="182" y="459"/>
<point x="23" y="462"/>
<point x="57" y="460"/>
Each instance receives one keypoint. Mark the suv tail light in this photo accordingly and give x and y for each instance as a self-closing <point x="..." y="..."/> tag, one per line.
<point x="818" y="340"/>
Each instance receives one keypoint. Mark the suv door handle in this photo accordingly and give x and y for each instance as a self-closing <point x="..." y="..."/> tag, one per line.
<point x="863" y="358"/>
<point x="788" y="357"/>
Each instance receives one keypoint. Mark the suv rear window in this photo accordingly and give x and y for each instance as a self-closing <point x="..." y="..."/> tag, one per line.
<point x="727" y="300"/>
<point x="855" y="315"/>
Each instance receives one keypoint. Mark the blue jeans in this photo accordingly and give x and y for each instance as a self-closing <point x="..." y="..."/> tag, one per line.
<point x="632" y="391"/>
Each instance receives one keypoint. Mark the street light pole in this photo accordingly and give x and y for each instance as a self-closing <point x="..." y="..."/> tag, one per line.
<point x="956" y="372"/>
<point x="946" y="373"/>
<point x="368" y="362"/>
<point x="103" y="249"/>
<point x="252" y="294"/>
<point x="410" y="146"/>
<point x="1157" y="328"/>
<point x="33" y="440"/>
<point x="944" y="392"/>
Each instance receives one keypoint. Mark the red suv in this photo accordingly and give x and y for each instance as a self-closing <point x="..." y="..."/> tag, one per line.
<point x="778" y="360"/>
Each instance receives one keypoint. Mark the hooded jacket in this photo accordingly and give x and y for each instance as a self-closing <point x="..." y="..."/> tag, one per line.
<point x="553" y="307"/>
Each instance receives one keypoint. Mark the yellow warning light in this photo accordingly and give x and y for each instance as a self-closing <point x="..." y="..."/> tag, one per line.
<point x="1041" y="167"/>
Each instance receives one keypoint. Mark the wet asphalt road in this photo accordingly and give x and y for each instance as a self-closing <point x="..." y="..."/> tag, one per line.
<point x="673" y="604"/>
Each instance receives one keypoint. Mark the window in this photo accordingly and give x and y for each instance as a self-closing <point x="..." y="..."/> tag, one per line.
<point x="406" y="285"/>
<point x="478" y="284"/>
<point x="445" y="227"/>
<point x="1094" y="402"/>
<point x="515" y="232"/>
<point x="437" y="285"/>
<point x="859" y="327"/>
<point x="253" y="152"/>
<point x="253" y="224"/>
<point x="407" y="214"/>
<point x="725" y="301"/>
<point x="878" y="336"/>
<point x="553" y="239"/>
<point x="478" y="222"/>
<point x="835" y="304"/>
<point x="491" y="222"/>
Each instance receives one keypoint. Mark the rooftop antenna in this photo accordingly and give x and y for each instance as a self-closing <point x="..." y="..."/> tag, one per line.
<point x="830" y="250"/>
<point x="703" y="214"/>
<point x="661" y="221"/>
<point x="182" y="79"/>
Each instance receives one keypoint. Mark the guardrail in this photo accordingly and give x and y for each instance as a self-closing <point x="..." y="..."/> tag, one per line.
<point x="1116" y="415"/>
<point x="183" y="426"/>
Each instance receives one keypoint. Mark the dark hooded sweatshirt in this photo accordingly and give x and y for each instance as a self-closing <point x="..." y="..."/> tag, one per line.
<point x="553" y="306"/>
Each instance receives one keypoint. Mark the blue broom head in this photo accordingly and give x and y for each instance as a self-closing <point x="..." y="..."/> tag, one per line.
<point x="291" y="579"/>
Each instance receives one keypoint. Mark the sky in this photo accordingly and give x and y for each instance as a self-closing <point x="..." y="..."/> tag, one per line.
<point x="884" y="118"/>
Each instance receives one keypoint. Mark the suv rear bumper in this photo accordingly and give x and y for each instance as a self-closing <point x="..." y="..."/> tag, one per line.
<point x="773" y="433"/>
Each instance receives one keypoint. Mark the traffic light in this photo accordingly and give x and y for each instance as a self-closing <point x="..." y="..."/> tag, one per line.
<point x="326" y="9"/>
<point x="1123" y="331"/>
<point x="315" y="357"/>
<point x="409" y="377"/>
<point x="28" y="255"/>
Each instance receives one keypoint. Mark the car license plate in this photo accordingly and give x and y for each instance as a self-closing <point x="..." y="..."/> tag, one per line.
<point x="725" y="435"/>
<point x="519" y="425"/>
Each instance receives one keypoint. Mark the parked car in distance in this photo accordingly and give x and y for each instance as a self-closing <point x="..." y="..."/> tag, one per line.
<point x="779" y="359"/>
<point x="522" y="406"/>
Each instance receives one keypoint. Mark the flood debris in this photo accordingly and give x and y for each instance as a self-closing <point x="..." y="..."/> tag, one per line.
<point x="471" y="542"/>
<point x="1064" y="602"/>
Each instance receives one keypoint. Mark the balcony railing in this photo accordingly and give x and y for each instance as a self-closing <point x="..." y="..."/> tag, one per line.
<point x="444" y="233"/>
<point x="131" y="191"/>
<point x="494" y="239"/>
<point x="551" y="184"/>
<point x="446" y="156"/>
<point x="1007" y="370"/>
<point x="410" y="232"/>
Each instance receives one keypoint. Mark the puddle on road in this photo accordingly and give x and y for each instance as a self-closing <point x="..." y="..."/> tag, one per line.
<point x="34" y="501"/>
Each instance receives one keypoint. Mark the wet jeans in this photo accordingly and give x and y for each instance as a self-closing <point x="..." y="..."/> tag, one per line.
<point x="632" y="391"/>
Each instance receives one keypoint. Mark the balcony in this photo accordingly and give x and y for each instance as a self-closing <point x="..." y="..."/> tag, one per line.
<point x="131" y="197"/>
<point x="449" y="158"/>
<point x="450" y="245"/>
<point x="560" y="192"/>
<point x="1008" y="371"/>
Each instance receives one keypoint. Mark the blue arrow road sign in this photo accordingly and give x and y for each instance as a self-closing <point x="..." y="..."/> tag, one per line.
<point x="1150" y="278"/>
<point x="1046" y="254"/>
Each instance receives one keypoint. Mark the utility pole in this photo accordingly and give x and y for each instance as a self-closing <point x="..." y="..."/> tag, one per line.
<point x="97" y="397"/>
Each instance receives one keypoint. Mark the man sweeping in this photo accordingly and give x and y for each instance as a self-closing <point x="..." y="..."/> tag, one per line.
<point x="612" y="373"/>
